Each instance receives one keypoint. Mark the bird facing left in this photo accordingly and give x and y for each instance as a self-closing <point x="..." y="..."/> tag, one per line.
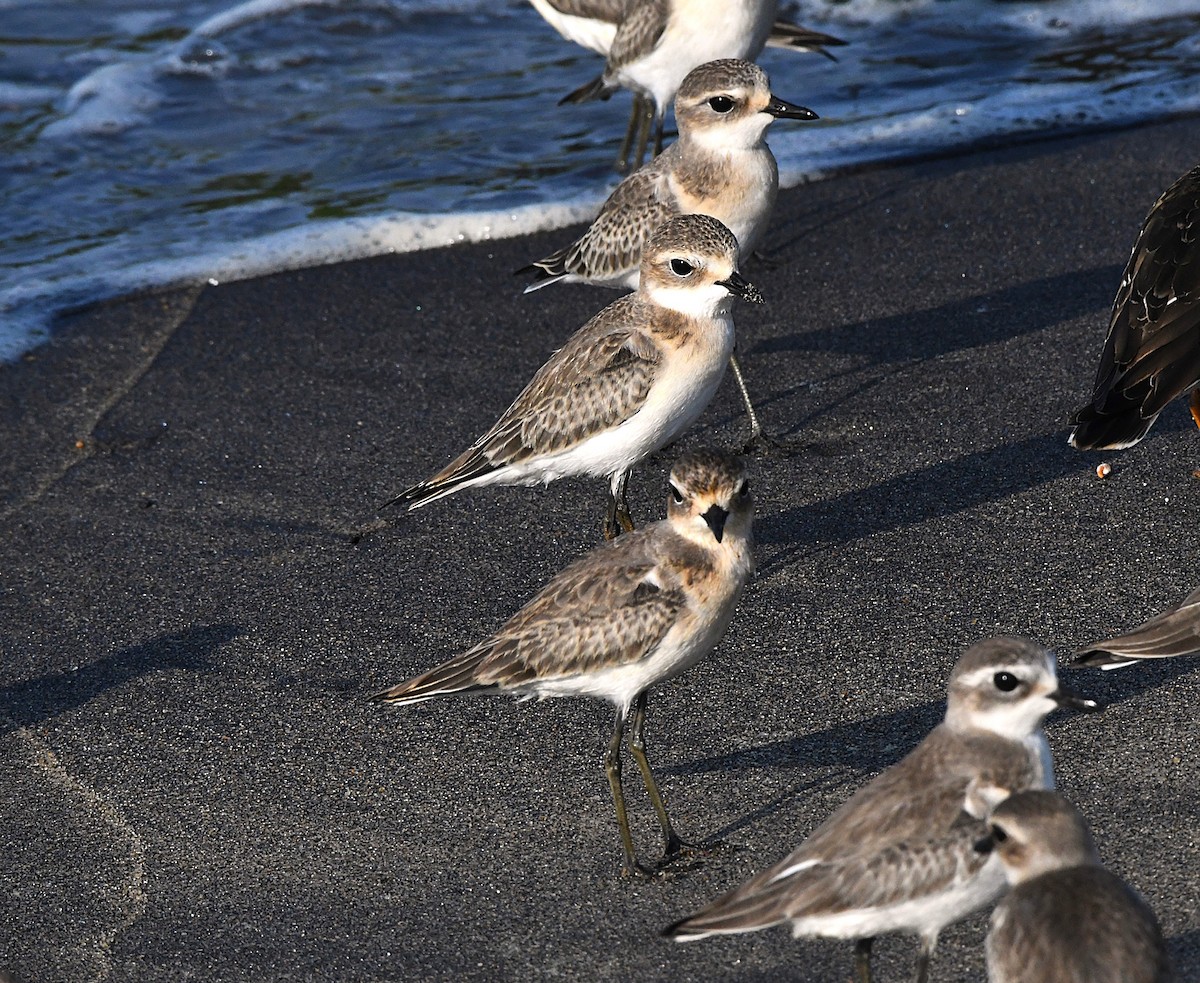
<point x="623" y="618"/>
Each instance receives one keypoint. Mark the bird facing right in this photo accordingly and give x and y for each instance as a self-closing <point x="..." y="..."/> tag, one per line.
<point x="899" y="855"/>
<point x="1066" y="919"/>
<point x="1152" y="351"/>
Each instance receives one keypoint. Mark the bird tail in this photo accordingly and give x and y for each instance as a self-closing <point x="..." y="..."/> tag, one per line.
<point x="785" y="35"/>
<point x="1109" y="431"/>
<point x="597" y="88"/>
<point x="459" y="473"/>
<point x="729" y="915"/>
<point x="545" y="271"/>
<point x="1174" y="632"/>
<point x="458" y="676"/>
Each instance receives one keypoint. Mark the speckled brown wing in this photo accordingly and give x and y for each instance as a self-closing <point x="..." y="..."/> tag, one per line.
<point x="604" y="610"/>
<point x="609" y="11"/>
<point x="599" y="378"/>
<point x="1079" y="925"/>
<point x="1172" y="633"/>
<point x="907" y="822"/>
<point x="612" y="246"/>
<point x="1152" y="350"/>
<point x="638" y="33"/>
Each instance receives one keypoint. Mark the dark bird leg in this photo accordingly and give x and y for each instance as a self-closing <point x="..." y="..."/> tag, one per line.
<point x="612" y="768"/>
<point x="617" y="518"/>
<point x="624" y="161"/>
<point x="862" y="960"/>
<point x="645" y="121"/>
<point x="673" y="846"/>
<point x="928" y="944"/>
<point x="658" y="135"/>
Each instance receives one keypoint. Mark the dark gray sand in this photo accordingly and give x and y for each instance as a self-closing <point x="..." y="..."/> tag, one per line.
<point x="193" y="783"/>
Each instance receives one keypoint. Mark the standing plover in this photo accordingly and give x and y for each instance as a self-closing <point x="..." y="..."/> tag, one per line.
<point x="899" y="854"/>
<point x="720" y="166"/>
<point x="650" y="45"/>
<point x="1066" y="919"/>
<point x="623" y="618"/>
<point x="1152" y="351"/>
<point x="627" y="383"/>
<point x="1174" y="632"/>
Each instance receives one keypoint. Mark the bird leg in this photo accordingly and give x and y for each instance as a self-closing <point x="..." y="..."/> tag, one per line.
<point x="758" y="439"/>
<point x="928" y="944"/>
<point x="862" y="960"/>
<point x="673" y="846"/>
<point x="624" y="161"/>
<point x="645" y="121"/>
<point x="617" y="519"/>
<point x="612" y="768"/>
<point x="1194" y="406"/>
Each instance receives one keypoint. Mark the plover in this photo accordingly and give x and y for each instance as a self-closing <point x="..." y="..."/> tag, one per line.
<point x="898" y="855"/>
<point x="720" y="166"/>
<point x="1066" y="919"/>
<point x="650" y="45"/>
<point x="1174" y="632"/>
<point x="627" y="383"/>
<point x="623" y="618"/>
<point x="1152" y="351"/>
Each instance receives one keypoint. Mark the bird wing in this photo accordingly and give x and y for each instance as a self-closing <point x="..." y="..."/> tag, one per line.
<point x="612" y="245"/>
<point x="639" y="32"/>
<point x="608" y="11"/>
<point x="787" y="35"/>
<point x="598" y="379"/>
<point x="1173" y="632"/>
<point x="1152" y="350"/>
<point x="611" y="607"/>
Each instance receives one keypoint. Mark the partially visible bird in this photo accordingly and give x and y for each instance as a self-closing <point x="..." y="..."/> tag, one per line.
<point x="626" y="384"/>
<point x="650" y="45"/>
<point x="720" y="166"/>
<point x="1174" y="632"/>
<point x="1152" y="351"/>
<point x="899" y="855"/>
<point x="622" y="619"/>
<point x="1066" y="919"/>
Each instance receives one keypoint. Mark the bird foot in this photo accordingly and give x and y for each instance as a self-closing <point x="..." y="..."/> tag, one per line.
<point x="678" y="849"/>
<point x="768" y="445"/>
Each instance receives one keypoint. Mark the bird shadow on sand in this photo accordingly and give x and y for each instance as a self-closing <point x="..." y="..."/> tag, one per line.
<point x="933" y="492"/>
<point x="33" y="700"/>
<point x="860" y="748"/>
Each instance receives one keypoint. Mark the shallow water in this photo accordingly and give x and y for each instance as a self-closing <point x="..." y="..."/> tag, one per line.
<point x="150" y="143"/>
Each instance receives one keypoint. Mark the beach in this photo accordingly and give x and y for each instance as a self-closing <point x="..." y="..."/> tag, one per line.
<point x="199" y="598"/>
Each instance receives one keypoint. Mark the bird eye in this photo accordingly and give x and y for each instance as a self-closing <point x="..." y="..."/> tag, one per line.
<point x="744" y="490"/>
<point x="1006" y="682"/>
<point x="998" y="834"/>
<point x="681" y="267"/>
<point x="721" y="104"/>
<point x="676" y="494"/>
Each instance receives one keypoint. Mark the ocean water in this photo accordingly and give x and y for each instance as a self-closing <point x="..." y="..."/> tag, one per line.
<point x="150" y="142"/>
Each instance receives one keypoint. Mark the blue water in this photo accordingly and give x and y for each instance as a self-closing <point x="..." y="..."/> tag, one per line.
<point x="148" y="142"/>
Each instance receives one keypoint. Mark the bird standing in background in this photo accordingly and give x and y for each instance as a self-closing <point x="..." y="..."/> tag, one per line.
<point x="1174" y="632"/>
<point x="624" y="385"/>
<point x="1152" y="351"/>
<point x="720" y="166"/>
<point x="899" y="855"/>
<point x="621" y="619"/>
<point x="650" y="45"/>
<point x="1066" y="919"/>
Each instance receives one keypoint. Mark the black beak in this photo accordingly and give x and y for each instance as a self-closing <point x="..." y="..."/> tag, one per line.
<point x="1066" y="698"/>
<point x="786" y="110"/>
<point x="986" y="845"/>
<point x="737" y="285"/>
<point x="715" y="517"/>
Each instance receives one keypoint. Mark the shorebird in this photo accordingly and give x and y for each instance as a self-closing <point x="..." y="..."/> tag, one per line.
<point x="623" y="618"/>
<point x="1066" y="919"/>
<point x="899" y="854"/>
<point x="624" y="385"/>
<point x="650" y="45"/>
<point x="720" y="166"/>
<point x="1152" y="351"/>
<point x="1174" y="632"/>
